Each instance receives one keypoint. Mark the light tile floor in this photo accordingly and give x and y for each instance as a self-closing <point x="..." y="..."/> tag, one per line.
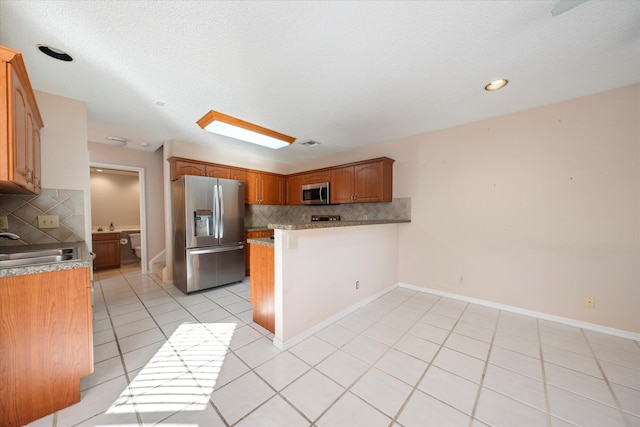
<point x="406" y="359"/>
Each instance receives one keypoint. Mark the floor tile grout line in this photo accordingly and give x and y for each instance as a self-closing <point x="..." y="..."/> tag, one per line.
<point x="166" y="341"/>
<point x="124" y="366"/>
<point x="210" y="395"/>
<point x="484" y="370"/>
<point x="606" y="380"/>
<point x="347" y="389"/>
<point x="545" y="387"/>
<point x="429" y="365"/>
<point x="372" y="366"/>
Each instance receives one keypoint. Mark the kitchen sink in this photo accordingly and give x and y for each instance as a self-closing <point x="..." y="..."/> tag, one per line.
<point x="43" y="256"/>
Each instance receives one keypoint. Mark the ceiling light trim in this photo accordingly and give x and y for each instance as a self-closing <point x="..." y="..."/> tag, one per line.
<point x="223" y="124"/>
<point x="54" y="52"/>
<point x="496" y="84"/>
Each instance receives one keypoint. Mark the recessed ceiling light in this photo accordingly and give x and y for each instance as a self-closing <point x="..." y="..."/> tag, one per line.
<point x="495" y="85"/>
<point x="118" y="141"/>
<point x="145" y="144"/>
<point x="99" y="170"/>
<point x="54" y="52"/>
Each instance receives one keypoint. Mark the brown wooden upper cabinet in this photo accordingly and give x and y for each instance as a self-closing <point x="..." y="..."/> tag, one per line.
<point x="370" y="181"/>
<point x="215" y="171"/>
<point x="293" y="190"/>
<point x="359" y="182"/>
<point x="264" y="188"/>
<point x="20" y="132"/>
<point x="179" y="167"/>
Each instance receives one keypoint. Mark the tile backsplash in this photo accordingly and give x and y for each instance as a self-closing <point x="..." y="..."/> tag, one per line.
<point x="22" y="214"/>
<point x="261" y="215"/>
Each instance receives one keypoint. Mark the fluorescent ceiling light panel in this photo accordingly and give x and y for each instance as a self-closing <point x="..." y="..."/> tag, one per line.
<point x="222" y="124"/>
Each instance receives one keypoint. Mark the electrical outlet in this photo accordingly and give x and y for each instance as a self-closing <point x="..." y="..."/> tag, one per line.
<point x="4" y="223"/>
<point x="48" y="221"/>
<point x="590" y="302"/>
<point x="357" y="284"/>
<point x="292" y="242"/>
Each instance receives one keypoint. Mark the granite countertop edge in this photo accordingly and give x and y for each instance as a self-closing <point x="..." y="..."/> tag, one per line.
<point x="332" y="224"/>
<point x="262" y="241"/>
<point x="84" y="261"/>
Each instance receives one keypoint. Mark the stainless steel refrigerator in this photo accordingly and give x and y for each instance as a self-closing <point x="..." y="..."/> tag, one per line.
<point x="208" y="232"/>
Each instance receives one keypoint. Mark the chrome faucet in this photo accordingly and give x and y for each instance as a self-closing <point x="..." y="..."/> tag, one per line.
<point x="10" y="236"/>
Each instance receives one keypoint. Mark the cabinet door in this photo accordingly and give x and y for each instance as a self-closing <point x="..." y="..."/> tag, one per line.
<point x="293" y="185"/>
<point x="262" y="287"/>
<point x="368" y="182"/>
<point x="47" y="342"/>
<point x="180" y="168"/>
<point x="240" y="175"/>
<point x="107" y="250"/>
<point x="21" y="135"/>
<point x="253" y="188"/>
<point x="272" y="189"/>
<point x="315" y="177"/>
<point x="247" y="247"/>
<point x="217" y="172"/>
<point x="342" y="185"/>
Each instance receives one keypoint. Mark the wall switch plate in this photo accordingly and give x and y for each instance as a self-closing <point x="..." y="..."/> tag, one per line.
<point x="48" y="221"/>
<point x="590" y="302"/>
<point x="4" y="223"/>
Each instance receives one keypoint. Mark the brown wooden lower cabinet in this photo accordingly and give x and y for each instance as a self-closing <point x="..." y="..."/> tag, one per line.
<point x="106" y="246"/>
<point x="262" y="286"/>
<point x="46" y="343"/>
<point x="247" y="248"/>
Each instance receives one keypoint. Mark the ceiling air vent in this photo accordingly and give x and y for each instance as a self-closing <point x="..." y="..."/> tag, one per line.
<point x="309" y="143"/>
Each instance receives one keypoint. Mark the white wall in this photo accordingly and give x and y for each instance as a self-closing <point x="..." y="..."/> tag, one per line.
<point x="115" y="198"/>
<point x="64" y="154"/>
<point x="316" y="280"/>
<point x="152" y="163"/>
<point x="535" y="209"/>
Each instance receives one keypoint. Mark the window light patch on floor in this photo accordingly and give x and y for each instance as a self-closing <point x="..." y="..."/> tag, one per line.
<point x="181" y="375"/>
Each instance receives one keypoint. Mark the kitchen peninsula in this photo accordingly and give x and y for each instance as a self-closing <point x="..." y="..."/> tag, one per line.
<point x="322" y="271"/>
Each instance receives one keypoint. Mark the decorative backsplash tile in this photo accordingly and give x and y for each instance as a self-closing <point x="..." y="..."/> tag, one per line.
<point x="22" y="214"/>
<point x="261" y="215"/>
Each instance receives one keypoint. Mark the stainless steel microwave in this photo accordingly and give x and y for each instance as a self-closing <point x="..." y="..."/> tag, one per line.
<point x="315" y="194"/>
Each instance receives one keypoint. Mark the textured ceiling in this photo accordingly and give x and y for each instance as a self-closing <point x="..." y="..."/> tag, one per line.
<point x="343" y="73"/>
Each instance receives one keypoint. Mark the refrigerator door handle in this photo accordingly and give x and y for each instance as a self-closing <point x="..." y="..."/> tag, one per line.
<point x="214" y="250"/>
<point x="215" y="211"/>
<point x="221" y="202"/>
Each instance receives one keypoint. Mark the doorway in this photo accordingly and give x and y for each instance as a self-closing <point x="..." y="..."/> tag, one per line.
<point x="126" y="217"/>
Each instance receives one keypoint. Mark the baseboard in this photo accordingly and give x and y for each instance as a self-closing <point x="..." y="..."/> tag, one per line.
<point x="280" y="345"/>
<point x="545" y="316"/>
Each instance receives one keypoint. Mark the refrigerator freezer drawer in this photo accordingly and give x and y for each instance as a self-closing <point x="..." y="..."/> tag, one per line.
<point x="211" y="267"/>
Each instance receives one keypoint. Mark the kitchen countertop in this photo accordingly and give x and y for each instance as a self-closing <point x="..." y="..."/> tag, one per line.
<point x="115" y="230"/>
<point x="83" y="254"/>
<point x="331" y="224"/>
<point x="263" y="241"/>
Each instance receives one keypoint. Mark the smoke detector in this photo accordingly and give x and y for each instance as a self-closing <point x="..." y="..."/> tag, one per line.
<point x="118" y="141"/>
<point x="309" y="143"/>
